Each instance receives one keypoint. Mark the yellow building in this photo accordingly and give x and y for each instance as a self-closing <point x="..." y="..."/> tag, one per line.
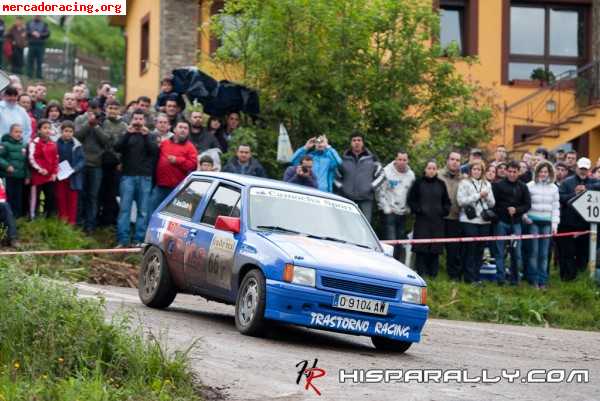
<point x="511" y="38"/>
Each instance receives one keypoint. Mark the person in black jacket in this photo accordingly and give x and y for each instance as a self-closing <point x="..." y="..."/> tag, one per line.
<point x="243" y="163"/>
<point x="202" y="138"/>
<point x="573" y="252"/>
<point x="512" y="201"/>
<point x="428" y="200"/>
<point x="139" y="151"/>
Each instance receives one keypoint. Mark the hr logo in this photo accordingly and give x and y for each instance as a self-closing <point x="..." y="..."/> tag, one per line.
<point x="309" y="374"/>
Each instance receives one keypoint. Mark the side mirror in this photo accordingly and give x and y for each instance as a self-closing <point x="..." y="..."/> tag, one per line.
<point x="388" y="249"/>
<point x="231" y="224"/>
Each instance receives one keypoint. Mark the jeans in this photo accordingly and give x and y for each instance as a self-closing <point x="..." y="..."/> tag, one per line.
<point x="454" y="251"/>
<point x="394" y="226"/>
<point x="366" y="206"/>
<point x="573" y="253"/>
<point x="17" y="60"/>
<point x="7" y="219"/>
<point x="537" y="268"/>
<point x="516" y="260"/>
<point x="15" y="188"/>
<point x="473" y="251"/>
<point x="158" y="195"/>
<point x="35" y="58"/>
<point x="92" y="178"/>
<point x="133" y="188"/>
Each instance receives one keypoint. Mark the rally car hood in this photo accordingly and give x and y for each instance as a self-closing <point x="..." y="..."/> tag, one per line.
<point x="343" y="258"/>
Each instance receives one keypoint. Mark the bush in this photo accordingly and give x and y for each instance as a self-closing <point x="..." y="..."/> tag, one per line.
<point x="54" y="346"/>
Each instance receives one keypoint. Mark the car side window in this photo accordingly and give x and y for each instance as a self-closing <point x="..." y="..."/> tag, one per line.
<point x="225" y="202"/>
<point x="184" y="204"/>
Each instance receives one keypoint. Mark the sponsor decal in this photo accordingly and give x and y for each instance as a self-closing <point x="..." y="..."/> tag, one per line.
<point x="220" y="261"/>
<point x="296" y="197"/>
<point x="346" y="323"/>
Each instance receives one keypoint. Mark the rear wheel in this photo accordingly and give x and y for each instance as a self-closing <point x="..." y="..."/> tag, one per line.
<point x="389" y="345"/>
<point x="250" y="304"/>
<point x="155" y="286"/>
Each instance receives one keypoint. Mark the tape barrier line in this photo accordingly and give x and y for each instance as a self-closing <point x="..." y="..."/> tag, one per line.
<point x="480" y="239"/>
<point x="70" y="252"/>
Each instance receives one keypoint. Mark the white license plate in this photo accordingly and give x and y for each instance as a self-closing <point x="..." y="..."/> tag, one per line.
<point x="360" y="304"/>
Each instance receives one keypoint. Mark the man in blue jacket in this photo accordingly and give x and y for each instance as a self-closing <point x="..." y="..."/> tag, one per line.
<point x="325" y="161"/>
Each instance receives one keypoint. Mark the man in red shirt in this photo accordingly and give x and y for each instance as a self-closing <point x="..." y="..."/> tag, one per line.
<point x="177" y="158"/>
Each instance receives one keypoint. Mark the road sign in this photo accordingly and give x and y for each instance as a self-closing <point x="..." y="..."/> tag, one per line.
<point x="588" y="206"/>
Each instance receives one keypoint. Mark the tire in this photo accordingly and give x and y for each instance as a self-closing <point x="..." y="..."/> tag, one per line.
<point x="250" y="304"/>
<point x="389" y="345"/>
<point x="155" y="286"/>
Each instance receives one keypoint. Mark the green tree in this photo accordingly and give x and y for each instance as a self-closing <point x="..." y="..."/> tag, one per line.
<point x="339" y="66"/>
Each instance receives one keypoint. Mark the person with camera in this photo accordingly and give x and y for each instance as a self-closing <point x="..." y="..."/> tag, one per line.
<point x="512" y="201"/>
<point x="325" y="160"/>
<point x="139" y="151"/>
<point x="542" y="218"/>
<point x="302" y="174"/>
<point x="94" y="142"/>
<point x="476" y="200"/>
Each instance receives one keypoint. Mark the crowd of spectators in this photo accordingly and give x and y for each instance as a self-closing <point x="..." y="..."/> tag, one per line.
<point x="88" y="159"/>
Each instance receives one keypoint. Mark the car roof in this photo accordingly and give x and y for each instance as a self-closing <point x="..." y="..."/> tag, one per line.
<point x="251" y="181"/>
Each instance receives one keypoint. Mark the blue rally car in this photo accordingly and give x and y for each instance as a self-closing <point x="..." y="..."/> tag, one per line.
<point x="282" y="252"/>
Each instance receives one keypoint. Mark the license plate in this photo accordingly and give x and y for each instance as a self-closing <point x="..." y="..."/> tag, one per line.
<point x="360" y="304"/>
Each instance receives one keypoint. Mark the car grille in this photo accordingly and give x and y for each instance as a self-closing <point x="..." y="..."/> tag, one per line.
<point x="362" y="288"/>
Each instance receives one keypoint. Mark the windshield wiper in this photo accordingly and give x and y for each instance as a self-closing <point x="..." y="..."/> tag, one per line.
<point x="337" y="240"/>
<point x="277" y="228"/>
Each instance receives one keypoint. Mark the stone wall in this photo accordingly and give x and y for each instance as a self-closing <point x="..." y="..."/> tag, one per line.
<point x="179" y="34"/>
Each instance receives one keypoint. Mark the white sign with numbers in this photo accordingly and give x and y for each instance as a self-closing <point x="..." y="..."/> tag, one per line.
<point x="588" y="206"/>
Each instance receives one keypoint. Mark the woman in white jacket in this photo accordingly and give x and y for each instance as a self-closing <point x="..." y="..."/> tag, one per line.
<point x="542" y="218"/>
<point x="474" y="196"/>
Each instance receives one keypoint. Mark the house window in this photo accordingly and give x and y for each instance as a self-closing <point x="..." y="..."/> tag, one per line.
<point x="552" y="37"/>
<point x="458" y="25"/>
<point x="145" y="44"/>
<point x="215" y="8"/>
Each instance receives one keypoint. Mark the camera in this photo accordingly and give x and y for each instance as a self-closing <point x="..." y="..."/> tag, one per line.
<point x="304" y="169"/>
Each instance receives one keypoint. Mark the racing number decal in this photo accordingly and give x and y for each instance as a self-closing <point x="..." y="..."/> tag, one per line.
<point x="220" y="261"/>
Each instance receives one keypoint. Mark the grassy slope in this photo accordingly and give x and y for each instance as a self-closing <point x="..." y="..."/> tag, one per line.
<point x="574" y="305"/>
<point x="54" y="346"/>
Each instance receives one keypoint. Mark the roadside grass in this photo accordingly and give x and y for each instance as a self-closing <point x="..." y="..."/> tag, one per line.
<point x="54" y="346"/>
<point x="567" y="305"/>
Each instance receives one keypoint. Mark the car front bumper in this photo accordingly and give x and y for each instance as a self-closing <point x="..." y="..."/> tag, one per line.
<point x="312" y="307"/>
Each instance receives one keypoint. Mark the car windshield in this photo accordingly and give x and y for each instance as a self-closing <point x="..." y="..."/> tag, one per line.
<point x="313" y="216"/>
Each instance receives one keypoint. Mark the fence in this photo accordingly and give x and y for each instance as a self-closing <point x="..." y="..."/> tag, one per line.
<point x="67" y="64"/>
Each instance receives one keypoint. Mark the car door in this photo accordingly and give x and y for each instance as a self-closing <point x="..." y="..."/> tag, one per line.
<point x="178" y="225"/>
<point x="212" y="268"/>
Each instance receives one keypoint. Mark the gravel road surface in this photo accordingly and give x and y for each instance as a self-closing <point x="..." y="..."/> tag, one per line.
<point x="235" y="367"/>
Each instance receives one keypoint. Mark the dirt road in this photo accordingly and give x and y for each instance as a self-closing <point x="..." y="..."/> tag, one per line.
<point x="236" y="367"/>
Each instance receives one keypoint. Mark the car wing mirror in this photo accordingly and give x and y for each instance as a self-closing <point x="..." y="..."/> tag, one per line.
<point x="388" y="249"/>
<point x="231" y="224"/>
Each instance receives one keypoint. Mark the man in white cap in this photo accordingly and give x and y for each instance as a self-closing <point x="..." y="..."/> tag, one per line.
<point x="573" y="252"/>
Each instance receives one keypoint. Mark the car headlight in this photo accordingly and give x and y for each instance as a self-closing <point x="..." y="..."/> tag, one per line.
<point x="299" y="275"/>
<point x="414" y="294"/>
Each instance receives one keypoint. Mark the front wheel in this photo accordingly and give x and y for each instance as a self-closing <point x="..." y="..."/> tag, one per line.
<point x="155" y="286"/>
<point x="389" y="345"/>
<point x="250" y="304"/>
